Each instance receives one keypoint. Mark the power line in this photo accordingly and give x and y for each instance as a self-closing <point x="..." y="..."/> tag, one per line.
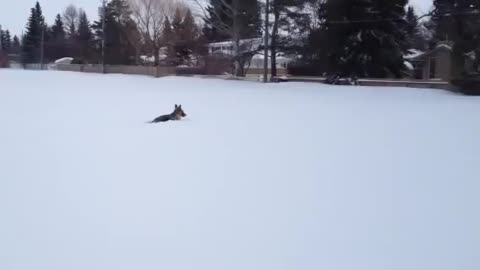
<point x="402" y="19"/>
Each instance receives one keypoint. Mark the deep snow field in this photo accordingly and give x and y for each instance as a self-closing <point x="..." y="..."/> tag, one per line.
<point x="292" y="176"/>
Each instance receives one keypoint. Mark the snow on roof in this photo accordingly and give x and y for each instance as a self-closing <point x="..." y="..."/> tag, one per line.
<point x="444" y="46"/>
<point x="64" y="60"/>
<point x="413" y="53"/>
<point x="229" y="42"/>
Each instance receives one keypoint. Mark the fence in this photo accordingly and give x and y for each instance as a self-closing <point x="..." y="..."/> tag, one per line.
<point x="253" y="74"/>
<point x="118" y="69"/>
<point x="426" y="84"/>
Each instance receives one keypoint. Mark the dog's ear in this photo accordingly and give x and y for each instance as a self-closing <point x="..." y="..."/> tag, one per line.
<point x="180" y="106"/>
<point x="176" y="106"/>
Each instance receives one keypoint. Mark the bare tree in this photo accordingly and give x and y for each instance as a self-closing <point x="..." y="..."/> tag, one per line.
<point x="70" y="20"/>
<point x="150" y="18"/>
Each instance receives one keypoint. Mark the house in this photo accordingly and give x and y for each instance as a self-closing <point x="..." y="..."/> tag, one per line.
<point x="256" y="64"/>
<point x="437" y="63"/>
<point x="226" y="47"/>
<point x="434" y="64"/>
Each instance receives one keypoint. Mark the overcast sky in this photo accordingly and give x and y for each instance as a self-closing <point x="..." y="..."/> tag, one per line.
<point x="14" y="17"/>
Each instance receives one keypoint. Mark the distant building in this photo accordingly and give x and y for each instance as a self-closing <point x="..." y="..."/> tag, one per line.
<point x="436" y="64"/>
<point x="226" y="48"/>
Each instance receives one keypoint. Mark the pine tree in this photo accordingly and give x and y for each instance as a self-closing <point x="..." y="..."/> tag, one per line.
<point x="32" y="39"/>
<point x="58" y="41"/>
<point x="412" y="24"/>
<point x="84" y="37"/>
<point x="219" y="17"/>
<point x="185" y="31"/>
<point x="6" y="41"/>
<point x="118" y="23"/>
<point x="16" y="46"/>
<point x="413" y="27"/>
<point x="362" y="38"/>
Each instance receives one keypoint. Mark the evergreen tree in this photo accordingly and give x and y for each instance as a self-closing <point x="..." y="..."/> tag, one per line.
<point x="365" y="38"/>
<point x="16" y="46"/>
<point x="33" y="36"/>
<point x="84" y="37"/>
<point x="444" y="22"/>
<point x="118" y="25"/>
<point x="185" y="32"/>
<point x="6" y="41"/>
<point x="219" y="17"/>
<point x="413" y="29"/>
<point x="412" y="26"/>
<point x="177" y="44"/>
<point x="58" y="41"/>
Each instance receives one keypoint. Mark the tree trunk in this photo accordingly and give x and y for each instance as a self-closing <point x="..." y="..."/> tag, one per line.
<point x="238" y="71"/>
<point x="156" y="57"/>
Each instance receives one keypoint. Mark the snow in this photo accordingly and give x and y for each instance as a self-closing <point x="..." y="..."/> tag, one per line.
<point x="413" y="53"/>
<point x="408" y="65"/>
<point x="65" y="60"/>
<point x="258" y="176"/>
<point x="444" y="46"/>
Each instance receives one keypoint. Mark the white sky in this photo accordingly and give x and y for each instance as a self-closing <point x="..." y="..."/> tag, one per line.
<point x="14" y="15"/>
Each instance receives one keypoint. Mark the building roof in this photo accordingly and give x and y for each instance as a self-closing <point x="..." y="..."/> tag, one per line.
<point x="418" y="55"/>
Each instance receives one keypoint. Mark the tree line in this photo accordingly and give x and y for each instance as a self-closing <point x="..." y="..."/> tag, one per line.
<point x="364" y="38"/>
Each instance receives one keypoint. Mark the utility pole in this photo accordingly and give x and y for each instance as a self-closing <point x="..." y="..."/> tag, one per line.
<point x="104" y="13"/>
<point x="265" y="55"/>
<point x="42" y="46"/>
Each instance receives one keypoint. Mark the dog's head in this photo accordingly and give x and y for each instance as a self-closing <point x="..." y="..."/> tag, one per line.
<point x="179" y="113"/>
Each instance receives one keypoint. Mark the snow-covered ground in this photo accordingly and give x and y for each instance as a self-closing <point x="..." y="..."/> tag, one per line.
<point x="292" y="176"/>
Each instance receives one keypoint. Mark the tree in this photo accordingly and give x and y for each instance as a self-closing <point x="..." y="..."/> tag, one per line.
<point x="444" y="28"/>
<point x="168" y="39"/>
<point x="84" y="37"/>
<point x="457" y="22"/>
<point x="286" y="13"/>
<point x="415" y="36"/>
<point x="70" y="18"/>
<point x="16" y="46"/>
<point x="58" y="43"/>
<point x="188" y="38"/>
<point x="150" y="17"/>
<point x="184" y="36"/>
<point x="232" y="20"/>
<point x="6" y="41"/>
<point x="362" y="38"/>
<point x="31" y="45"/>
<point x="222" y="15"/>
<point x="118" y="23"/>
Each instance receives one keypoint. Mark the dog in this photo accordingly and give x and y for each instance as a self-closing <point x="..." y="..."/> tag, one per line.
<point x="176" y="115"/>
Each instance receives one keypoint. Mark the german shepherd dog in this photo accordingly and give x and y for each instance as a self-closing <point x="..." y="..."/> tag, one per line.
<point x="176" y="115"/>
